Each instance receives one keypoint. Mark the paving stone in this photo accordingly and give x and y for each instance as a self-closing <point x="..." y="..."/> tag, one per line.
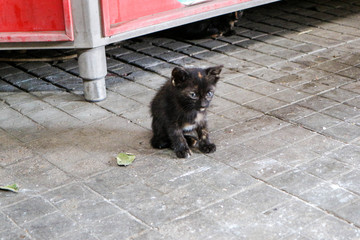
<point x="296" y="236"/>
<point x="314" y="88"/>
<point x="267" y="74"/>
<point x="287" y="54"/>
<point x="265" y="105"/>
<point x="14" y="99"/>
<point x="248" y="54"/>
<point x="240" y="65"/>
<point x="307" y="48"/>
<point x="188" y="61"/>
<point x="159" y="41"/>
<point x="30" y="173"/>
<point x="267" y="88"/>
<point x="7" y="89"/>
<point x="6" y="223"/>
<point x="29" y="210"/>
<point x="325" y="228"/>
<point x="50" y="226"/>
<point x="131" y="57"/>
<point x="68" y="64"/>
<point x="292" y="134"/>
<point x="44" y="115"/>
<point x="261" y="197"/>
<point x="124" y="69"/>
<point x="342" y="112"/>
<point x="163" y="69"/>
<point x="147" y="62"/>
<point x="9" y="113"/>
<point x="325" y="168"/>
<point x="212" y="44"/>
<point x="233" y="39"/>
<point x="349" y="154"/>
<point x="350" y="212"/>
<point x="244" y="81"/>
<point x="84" y="210"/>
<point x="9" y="71"/>
<point x="293" y="155"/>
<point x="153" y="81"/>
<point x="240" y="114"/>
<point x="321" y="144"/>
<point x="79" y="234"/>
<point x="350" y="59"/>
<point x="352" y="72"/>
<point x="242" y="96"/>
<point x="224" y="89"/>
<point x="45" y="71"/>
<point x="353" y="87"/>
<point x="234" y="155"/>
<point x="155" y="51"/>
<point x="339" y="95"/>
<point x="346" y="132"/>
<point x="240" y="219"/>
<point x="176" y="45"/>
<point x="237" y="182"/>
<point x="329" y="197"/>
<point x="247" y="43"/>
<point x="197" y="226"/>
<point x="264" y="168"/>
<point x="139" y="46"/>
<point x="193" y="198"/>
<point x="23" y="129"/>
<point x="192" y="50"/>
<point x="289" y="67"/>
<point x="317" y="103"/>
<point x="171" y="56"/>
<point x="295" y="181"/>
<point x="156" y="210"/>
<point x="290" y="95"/>
<point x="347" y="181"/>
<point x="292" y="112"/>
<point x="113" y="63"/>
<point x="14" y="234"/>
<point x="152" y="235"/>
<point x="285" y="122"/>
<point x="286" y="214"/>
<point x="17" y="78"/>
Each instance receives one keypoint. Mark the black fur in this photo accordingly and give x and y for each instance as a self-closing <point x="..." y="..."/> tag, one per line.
<point x="180" y="107"/>
<point x="212" y="27"/>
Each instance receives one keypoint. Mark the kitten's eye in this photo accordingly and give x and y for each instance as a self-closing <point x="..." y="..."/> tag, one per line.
<point x="193" y="95"/>
<point x="210" y="94"/>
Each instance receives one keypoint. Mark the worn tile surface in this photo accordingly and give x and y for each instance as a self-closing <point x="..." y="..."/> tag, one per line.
<point x="285" y="119"/>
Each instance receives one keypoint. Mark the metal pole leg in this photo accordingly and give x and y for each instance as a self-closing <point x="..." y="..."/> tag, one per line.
<point x="92" y="67"/>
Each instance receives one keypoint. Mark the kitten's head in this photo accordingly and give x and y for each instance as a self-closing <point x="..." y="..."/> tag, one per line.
<point x="195" y="86"/>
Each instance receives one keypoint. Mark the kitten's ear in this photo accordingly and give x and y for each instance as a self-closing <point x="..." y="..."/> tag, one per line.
<point x="214" y="71"/>
<point x="178" y="76"/>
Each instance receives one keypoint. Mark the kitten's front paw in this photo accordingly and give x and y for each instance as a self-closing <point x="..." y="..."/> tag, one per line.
<point x="183" y="153"/>
<point x="207" y="147"/>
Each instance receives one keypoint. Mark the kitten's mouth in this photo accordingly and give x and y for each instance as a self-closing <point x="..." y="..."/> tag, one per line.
<point x="202" y="109"/>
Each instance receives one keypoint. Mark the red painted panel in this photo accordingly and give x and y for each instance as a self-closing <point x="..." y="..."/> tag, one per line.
<point x="31" y="15"/>
<point x="35" y="20"/>
<point x="113" y="25"/>
<point x="126" y="10"/>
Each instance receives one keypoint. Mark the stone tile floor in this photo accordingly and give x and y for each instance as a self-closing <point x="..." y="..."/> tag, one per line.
<point x="285" y="119"/>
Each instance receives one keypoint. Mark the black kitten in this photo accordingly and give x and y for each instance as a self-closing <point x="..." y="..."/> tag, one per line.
<point x="180" y="107"/>
<point x="213" y="27"/>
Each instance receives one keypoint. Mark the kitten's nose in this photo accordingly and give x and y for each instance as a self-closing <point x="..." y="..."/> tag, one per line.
<point x="204" y="104"/>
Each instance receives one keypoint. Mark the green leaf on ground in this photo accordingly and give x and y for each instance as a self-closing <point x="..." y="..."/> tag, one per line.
<point x="13" y="188"/>
<point x="125" y="159"/>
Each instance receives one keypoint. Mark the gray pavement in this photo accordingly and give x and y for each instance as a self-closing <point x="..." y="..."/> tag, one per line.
<point x="285" y="119"/>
